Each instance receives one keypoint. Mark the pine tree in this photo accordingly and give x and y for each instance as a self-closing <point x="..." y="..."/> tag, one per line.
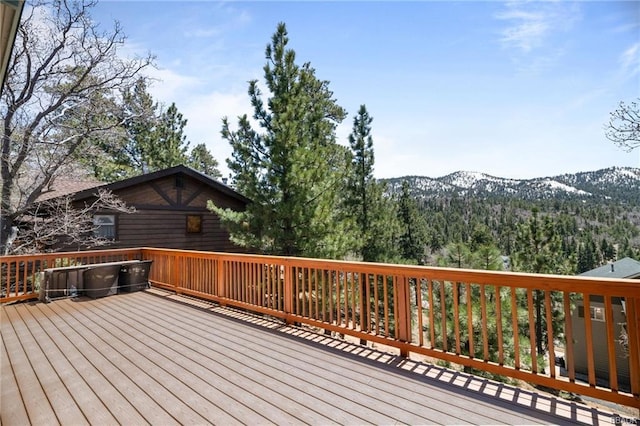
<point x="371" y="212"/>
<point x="608" y="250"/>
<point x="487" y="257"/>
<point x="201" y="159"/>
<point x="457" y="255"/>
<point x="152" y="138"/>
<point x="536" y="250"/>
<point x="169" y="145"/>
<point x="413" y="228"/>
<point x="292" y="168"/>
<point x="586" y="256"/>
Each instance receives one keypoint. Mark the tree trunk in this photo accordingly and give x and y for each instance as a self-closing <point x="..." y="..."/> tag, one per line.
<point x="6" y="223"/>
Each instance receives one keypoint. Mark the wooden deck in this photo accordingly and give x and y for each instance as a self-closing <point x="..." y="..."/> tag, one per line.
<point x="153" y="357"/>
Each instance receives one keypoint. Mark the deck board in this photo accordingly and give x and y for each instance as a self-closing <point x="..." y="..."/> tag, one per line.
<point x="265" y="372"/>
<point x="12" y="413"/>
<point x="153" y="357"/>
<point x="254" y="389"/>
<point x="94" y="368"/>
<point x="328" y="387"/>
<point x="31" y="392"/>
<point x="79" y="391"/>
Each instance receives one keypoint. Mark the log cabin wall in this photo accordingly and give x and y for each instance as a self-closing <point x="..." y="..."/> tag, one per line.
<point x="163" y="206"/>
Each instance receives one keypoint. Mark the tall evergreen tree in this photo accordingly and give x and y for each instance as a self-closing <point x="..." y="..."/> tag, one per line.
<point x="413" y="228"/>
<point x="122" y="157"/>
<point x="168" y="145"/>
<point x="151" y="138"/>
<point x="487" y="256"/>
<point x="200" y="158"/>
<point x="536" y="250"/>
<point x="292" y="169"/>
<point x="457" y="255"/>
<point x="586" y="256"/>
<point x="365" y="203"/>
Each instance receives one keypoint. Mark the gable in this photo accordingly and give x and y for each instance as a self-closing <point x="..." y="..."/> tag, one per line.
<point x="175" y="192"/>
<point x="178" y="188"/>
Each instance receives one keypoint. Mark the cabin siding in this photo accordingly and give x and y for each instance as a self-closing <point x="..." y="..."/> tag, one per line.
<point x="168" y="229"/>
<point x="162" y="207"/>
<point x="600" y="351"/>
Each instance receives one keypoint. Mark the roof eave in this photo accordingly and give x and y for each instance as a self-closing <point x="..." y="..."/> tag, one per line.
<point x="10" y="13"/>
<point x="163" y="173"/>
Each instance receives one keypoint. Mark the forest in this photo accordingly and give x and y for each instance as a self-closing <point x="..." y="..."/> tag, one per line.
<point x="84" y="111"/>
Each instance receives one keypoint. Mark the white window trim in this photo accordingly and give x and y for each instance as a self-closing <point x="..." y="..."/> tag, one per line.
<point x="597" y="313"/>
<point x="100" y="223"/>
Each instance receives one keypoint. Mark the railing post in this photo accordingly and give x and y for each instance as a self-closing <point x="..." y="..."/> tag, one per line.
<point x="288" y="289"/>
<point x="174" y="272"/>
<point x="633" y="338"/>
<point x="403" y="322"/>
<point x="220" y="281"/>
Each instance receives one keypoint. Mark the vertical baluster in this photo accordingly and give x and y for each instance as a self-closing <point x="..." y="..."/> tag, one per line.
<point x="550" y="344"/>
<point x="376" y="297"/>
<point x="589" y="340"/>
<point x="419" y="310"/>
<point x="432" y="324"/>
<point x="516" y="331"/>
<point x="456" y="316"/>
<point x="470" y="321"/>
<point x="611" y="344"/>
<point x="443" y="310"/>
<point x="483" y="309"/>
<point x="532" y="331"/>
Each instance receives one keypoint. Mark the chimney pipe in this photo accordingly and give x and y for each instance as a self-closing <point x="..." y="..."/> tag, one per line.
<point x="612" y="268"/>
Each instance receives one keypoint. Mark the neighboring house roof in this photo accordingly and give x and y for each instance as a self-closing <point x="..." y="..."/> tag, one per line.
<point x="10" y="11"/>
<point x="176" y="170"/>
<point x="623" y="268"/>
<point x="62" y="187"/>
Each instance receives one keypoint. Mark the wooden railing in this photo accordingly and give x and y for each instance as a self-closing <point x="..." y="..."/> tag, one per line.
<point x="497" y="324"/>
<point x="20" y="279"/>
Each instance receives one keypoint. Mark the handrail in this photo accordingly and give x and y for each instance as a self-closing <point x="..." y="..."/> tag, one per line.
<point x="19" y="275"/>
<point x="500" y="324"/>
<point x="465" y="317"/>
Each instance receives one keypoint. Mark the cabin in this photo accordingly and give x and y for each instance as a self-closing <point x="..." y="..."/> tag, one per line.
<point x="623" y="268"/>
<point x="170" y="210"/>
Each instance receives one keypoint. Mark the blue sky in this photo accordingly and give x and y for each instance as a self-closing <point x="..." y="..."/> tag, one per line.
<point x="513" y="89"/>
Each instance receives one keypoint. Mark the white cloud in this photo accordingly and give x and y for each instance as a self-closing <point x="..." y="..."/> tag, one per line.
<point x="230" y="18"/>
<point x="531" y="24"/>
<point x="526" y="35"/>
<point x="168" y="86"/>
<point x="204" y="114"/>
<point x="630" y="60"/>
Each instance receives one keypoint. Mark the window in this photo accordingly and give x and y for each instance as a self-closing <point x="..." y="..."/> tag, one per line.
<point x="194" y="224"/>
<point x="597" y="313"/>
<point x="105" y="226"/>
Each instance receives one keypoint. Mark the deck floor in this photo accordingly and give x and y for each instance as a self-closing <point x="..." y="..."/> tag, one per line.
<point x="157" y="358"/>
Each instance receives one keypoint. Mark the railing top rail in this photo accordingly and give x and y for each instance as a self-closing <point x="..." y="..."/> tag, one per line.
<point x="60" y="254"/>
<point x="582" y="284"/>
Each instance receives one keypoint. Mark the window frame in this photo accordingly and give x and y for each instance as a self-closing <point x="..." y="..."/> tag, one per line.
<point x="98" y="226"/>
<point x="193" y="227"/>
<point x="597" y="313"/>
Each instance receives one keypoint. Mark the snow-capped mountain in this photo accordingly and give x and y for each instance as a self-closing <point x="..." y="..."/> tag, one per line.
<point x="621" y="184"/>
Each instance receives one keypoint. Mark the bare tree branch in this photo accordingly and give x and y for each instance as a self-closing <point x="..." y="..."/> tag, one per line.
<point x="57" y="222"/>
<point x="63" y="92"/>
<point x="623" y="128"/>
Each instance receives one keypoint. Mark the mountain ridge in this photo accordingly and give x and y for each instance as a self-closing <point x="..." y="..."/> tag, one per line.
<point x="612" y="184"/>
